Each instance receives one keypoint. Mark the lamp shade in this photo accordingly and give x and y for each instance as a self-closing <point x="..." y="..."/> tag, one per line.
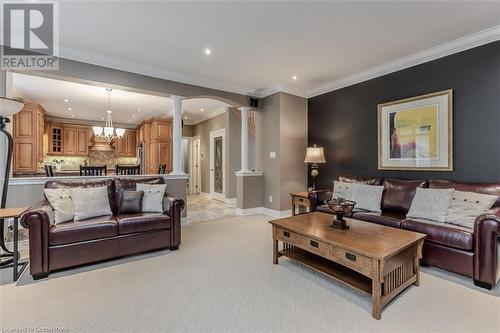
<point x="315" y="155"/>
<point x="9" y="106"/>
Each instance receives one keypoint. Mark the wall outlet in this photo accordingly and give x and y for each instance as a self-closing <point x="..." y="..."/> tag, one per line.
<point x="270" y="198"/>
<point x="272" y="154"/>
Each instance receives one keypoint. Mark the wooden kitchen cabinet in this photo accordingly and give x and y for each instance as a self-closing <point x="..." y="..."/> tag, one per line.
<point x="156" y="135"/>
<point x="28" y="129"/>
<point x="127" y="145"/>
<point x="68" y="139"/>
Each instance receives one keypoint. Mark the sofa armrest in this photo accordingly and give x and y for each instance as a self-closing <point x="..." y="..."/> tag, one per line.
<point x="38" y="220"/>
<point x="173" y="207"/>
<point x="318" y="197"/>
<point x="486" y="249"/>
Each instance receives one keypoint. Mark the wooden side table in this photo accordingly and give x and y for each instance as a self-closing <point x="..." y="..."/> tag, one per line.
<point x="15" y="213"/>
<point x="300" y="200"/>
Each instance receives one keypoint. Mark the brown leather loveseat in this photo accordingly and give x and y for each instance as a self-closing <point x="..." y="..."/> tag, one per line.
<point x="53" y="247"/>
<point x="471" y="252"/>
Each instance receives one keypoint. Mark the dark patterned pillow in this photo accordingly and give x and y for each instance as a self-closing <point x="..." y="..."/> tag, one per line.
<point x="131" y="202"/>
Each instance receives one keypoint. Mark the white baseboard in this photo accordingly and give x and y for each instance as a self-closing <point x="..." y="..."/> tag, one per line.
<point x="206" y="195"/>
<point x="265" y="211"/>
<point x="231" y="201"/>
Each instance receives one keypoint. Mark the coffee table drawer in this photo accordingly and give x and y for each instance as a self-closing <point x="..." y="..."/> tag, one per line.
<point x="288" y="236"/>
<point x="353" y="260"/>
<point x="315" y="246"/>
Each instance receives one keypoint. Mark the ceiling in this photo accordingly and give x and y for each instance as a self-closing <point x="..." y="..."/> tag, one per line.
<point x="257" y="47"/>
<point x="89" y="102"/>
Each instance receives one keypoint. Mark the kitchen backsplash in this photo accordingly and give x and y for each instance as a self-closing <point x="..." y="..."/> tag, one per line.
<point x="72" y="163"/>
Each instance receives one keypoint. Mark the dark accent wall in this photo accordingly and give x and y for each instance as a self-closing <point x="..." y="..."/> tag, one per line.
<point x="345" y="121"/>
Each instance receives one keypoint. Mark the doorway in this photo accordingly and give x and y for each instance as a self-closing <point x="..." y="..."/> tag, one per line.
<point x="193" y="157"/>
<point x="218" y="164"/>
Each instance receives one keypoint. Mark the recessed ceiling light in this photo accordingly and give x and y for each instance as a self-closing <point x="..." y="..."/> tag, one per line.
<point x="102" y="118"/>
<point x="66" y="100"/>
<point x="69" y="109"/>
<point x="133" y="116"/>
<point x="72" y="116"/>
<point x="185" y="117"/>
<point x="129" y="121"/>
<point x="208" y="51"/>
<point x="138" y="110"/>
<point x="294" y="77"/>
<point x="202" y="109"/>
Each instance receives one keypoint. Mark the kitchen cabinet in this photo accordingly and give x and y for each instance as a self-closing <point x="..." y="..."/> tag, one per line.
<point x="28" y="130"/>
<point x="68" y="139"/>
<point x="156" y="135"/>
<point x="127" y="145"/>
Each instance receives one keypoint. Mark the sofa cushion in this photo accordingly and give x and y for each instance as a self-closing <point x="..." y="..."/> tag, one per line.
<point x="132" y="223"/>
<point x="109" y="183"/>
<point x="399" y="193"/>
<point x="130" y="184"/>
<point x="367" y="197"/>
<point x="441" y="233"/>
<point x="485" y="188"/>
<point x="390" y="219"/>
<point x="323" y="209"/>
<point x="361" y="180"/>
<point x="431" y="204"/>
<point x="85" y="230"/>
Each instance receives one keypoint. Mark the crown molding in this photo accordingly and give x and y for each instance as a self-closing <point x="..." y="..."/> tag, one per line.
<point x="458" y="45"/>
<point x="114" y="63"/>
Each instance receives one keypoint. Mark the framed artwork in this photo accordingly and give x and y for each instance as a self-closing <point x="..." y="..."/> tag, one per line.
<point x="416" y="133"/>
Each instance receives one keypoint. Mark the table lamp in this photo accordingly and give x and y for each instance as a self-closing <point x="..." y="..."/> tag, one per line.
<point x="315" y="155"/>
<point x="8" y="107"/>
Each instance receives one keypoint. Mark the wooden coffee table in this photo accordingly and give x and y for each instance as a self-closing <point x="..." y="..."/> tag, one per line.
<point x="371" y="258"/>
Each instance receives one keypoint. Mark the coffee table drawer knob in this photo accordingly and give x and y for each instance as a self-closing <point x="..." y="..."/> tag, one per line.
<point x="350" y="256"/>
<point x="286" y="234"/>
<point x="314" y="243"/>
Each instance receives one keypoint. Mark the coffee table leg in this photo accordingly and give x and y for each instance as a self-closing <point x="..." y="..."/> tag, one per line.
<point x="416" y="262"/>
<point x="275" y="251"/>
<point x="376" y="290"/>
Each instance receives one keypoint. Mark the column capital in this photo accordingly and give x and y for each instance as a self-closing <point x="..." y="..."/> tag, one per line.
<point x="245" y="108"/>
<point x="177" y="97"/>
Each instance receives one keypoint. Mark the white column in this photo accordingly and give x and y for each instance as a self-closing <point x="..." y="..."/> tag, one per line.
<point x="177" y="136"/>
<point x="244" y="138"/>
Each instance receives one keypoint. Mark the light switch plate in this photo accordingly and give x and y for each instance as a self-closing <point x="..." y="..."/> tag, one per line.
<point x="272" y="154"/>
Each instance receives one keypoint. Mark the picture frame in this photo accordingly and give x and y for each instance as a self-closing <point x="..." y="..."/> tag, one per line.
<point x="416" y="133"/>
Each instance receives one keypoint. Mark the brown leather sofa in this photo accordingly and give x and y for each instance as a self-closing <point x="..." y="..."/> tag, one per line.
<point x="471" y="252"/>
<point x="53" y="247"/>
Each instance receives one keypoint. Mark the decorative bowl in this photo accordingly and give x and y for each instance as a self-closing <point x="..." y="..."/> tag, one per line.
<point x="340" y="207"/>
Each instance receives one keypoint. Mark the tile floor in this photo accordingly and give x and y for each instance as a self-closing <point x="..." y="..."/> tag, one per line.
<point x="203" y="209"/>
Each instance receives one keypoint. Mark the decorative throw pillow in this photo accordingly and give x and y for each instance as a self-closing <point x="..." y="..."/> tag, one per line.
<point x="90" y="202"/>
<point x="342" y="190"/>
<point x="62" y="204"/>
<point x="153" y="197"/>
<point x="131" y="202"/>
<point x="431" y="204"/>
<point x="367" y="197"/>
<point x="466" y="206"/>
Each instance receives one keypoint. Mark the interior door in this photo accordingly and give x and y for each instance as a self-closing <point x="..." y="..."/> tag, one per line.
<point x="217" y="165"/>
<point x="194" y="166"/>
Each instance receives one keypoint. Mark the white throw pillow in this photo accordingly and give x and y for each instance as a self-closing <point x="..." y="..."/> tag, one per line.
<point x="367" y="197"/>
<point x="342" y="190"/>
<point x="62" y="204"/>
<point x="431" y="204"/>
<point x="90" y="202"/>
<point x="153" y="197"/>
<point x="466" y="206"/>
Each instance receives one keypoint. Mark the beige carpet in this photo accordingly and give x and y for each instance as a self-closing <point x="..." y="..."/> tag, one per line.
<point x="222" y="280"/>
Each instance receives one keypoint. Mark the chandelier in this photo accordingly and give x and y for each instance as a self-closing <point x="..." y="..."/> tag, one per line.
<point x="108" y="131"/>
